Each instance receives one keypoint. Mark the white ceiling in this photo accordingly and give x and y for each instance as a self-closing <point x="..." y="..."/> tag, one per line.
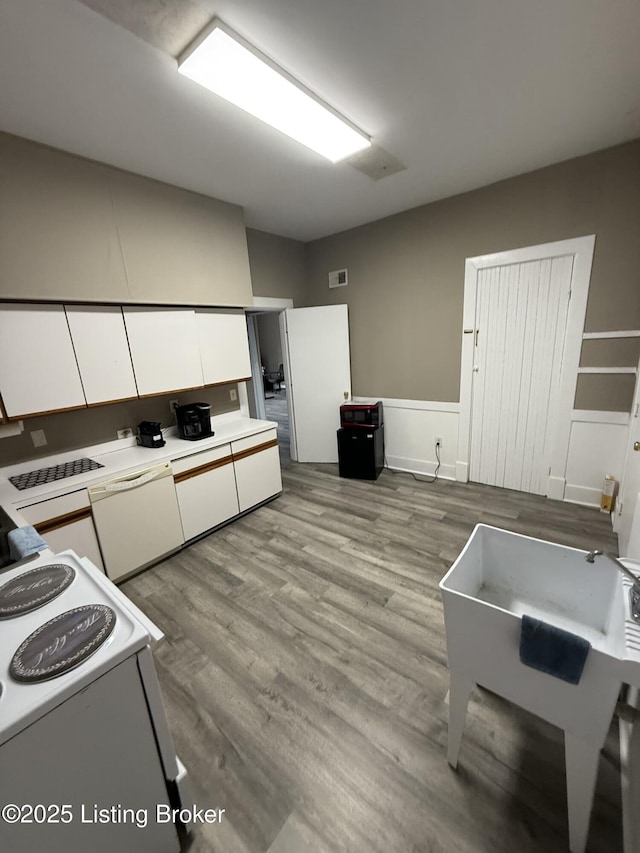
<point x="463" y="92"/>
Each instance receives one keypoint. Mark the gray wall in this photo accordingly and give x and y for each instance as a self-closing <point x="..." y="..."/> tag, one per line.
<point x="78" y="231"/>
<point x="406" y="272"/>
<point x="70" y="430"/>
<point x="270" y="343"/>
<point x="605" y="392"/>
<point x="278" y="266"/>
<point x="75" y="230"/>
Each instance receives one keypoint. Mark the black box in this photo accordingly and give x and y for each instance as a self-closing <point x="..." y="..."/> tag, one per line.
<point x="361" y="453"/>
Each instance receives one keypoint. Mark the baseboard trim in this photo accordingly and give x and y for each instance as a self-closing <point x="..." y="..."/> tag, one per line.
<point x="584" y="495"/>
<point x="420" y="467"/>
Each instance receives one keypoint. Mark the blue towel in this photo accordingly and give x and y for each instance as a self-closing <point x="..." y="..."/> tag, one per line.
<point x="24" y="541"/>
<point x="552" y="650"/>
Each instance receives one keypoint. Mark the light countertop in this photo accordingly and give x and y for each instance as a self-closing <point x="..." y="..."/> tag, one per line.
<point x="118" y="457"/>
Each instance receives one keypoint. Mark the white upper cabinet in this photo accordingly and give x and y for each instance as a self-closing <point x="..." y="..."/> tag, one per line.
<point x="164" y="349"/>
<point x="38" y="369"/>
<point x="224" y="345"/>
<point x="102" y="350"/>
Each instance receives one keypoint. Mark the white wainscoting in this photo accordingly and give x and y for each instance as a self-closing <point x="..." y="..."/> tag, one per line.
<point x="410" y="431"/>
<point x="597" y="444"/>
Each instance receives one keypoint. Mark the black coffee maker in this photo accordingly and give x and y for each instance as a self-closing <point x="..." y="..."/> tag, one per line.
<point x="194" y="421"/>
<point x="150" y="434"/>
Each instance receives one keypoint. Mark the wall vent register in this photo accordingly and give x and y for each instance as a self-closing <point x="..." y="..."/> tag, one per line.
<point x="53" y="473"/>
<point x="339" y="278"/>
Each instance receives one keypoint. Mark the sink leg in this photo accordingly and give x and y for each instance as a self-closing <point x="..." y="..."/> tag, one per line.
<point x="459" y="692"/>
<point x="582" y="761"/>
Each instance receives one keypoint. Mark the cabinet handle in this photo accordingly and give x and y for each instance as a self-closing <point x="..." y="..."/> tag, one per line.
<point x="202" y="469"/>
<point x="62" y="520"/>
<point x="242" y="454"/>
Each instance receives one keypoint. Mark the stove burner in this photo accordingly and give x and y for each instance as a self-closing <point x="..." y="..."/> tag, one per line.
<point x="55" y="472"/>
<point x="33" y="589"/>
<point x="62" y="643"/>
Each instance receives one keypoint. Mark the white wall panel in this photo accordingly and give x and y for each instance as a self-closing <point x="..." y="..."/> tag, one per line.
<point x="595" y="450"/>
<point x="410" y="430"/>
<point x="411" y="427"/>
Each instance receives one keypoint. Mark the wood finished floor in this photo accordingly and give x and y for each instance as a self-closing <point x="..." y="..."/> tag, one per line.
<point x="305" y="677"/>
<point x="275" y="407"/>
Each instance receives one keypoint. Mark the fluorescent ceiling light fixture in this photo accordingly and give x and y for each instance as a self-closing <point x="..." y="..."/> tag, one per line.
<point x="221" y="61"/>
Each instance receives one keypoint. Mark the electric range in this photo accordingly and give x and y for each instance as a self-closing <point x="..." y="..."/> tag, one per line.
<point x="60" y="629"/>
<point x="81" y="715"/>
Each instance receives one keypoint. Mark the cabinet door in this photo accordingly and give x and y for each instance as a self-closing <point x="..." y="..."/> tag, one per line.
<point x="206" y="489"/>
<point x="102" y="350"/>
<point x="257" y="465"/>
<point x="224" y="346"/>
<point x="66" y="522"/>
<point x="38" y="369"/>
<point x="164" y="349"/>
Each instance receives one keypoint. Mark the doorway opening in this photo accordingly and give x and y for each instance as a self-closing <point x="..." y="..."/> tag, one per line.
<point x="316" y="366"/>
<point x="269" y="398"/>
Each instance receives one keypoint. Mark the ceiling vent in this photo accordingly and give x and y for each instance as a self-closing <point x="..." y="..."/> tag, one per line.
<point x="375" y="163"/>
<point x="338" y="278"/>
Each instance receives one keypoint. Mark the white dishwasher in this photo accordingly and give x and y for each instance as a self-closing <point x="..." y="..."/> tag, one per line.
<point x="137" y="519"/>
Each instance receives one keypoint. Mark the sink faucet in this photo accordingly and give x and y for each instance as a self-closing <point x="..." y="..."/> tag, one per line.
<point x="634" y="592"/>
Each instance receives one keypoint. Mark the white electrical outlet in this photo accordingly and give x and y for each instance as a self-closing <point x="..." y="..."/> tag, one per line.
<point x="233" y="394"/>
<point x="127" y="432"/>
<point x="38" y="438"/>
<point x="439" y="440"/>
<point x="172" y="405"/>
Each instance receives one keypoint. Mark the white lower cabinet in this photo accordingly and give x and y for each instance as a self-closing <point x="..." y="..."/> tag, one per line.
<point x="211" y="487"/>
<point x="216" y="485"/>
<point x="206" y="489"/>
<point x="257" y="467"/>
<point x="66" y="522"/>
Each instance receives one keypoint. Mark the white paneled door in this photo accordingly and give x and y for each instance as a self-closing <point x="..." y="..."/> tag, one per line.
<point x="521" y="319"/>
<point x="319" y="375"/>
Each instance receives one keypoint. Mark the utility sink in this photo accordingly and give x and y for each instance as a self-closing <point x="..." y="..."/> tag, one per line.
<point x="500" y="576"/>
<point x="519" y="575"/>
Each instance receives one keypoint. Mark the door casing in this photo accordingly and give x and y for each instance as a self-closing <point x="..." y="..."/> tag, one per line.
<point x="626" y="520"/>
